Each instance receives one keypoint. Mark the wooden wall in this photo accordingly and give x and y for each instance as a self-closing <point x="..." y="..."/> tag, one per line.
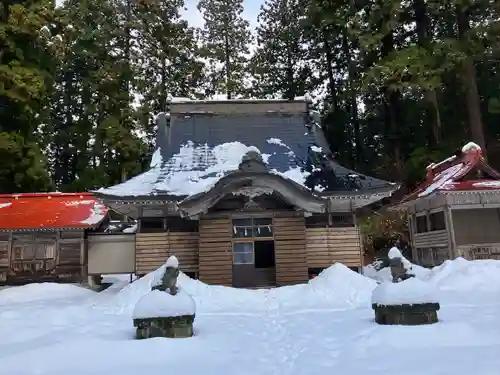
<point x="153" y="249"/>
<point x="37" y="256"/>
<point x="4" y="255"/>
<point x="290" y="249"/>
<point x="215" y="254"/>
<point x="437" y="238"/>
<point x="326" y="246"/>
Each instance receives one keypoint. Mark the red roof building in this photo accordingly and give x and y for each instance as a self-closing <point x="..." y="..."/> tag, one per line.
<point x="467" y="170"/>
<point x="50" y="211"/>
<point x="42" y="235"/>
<point x="455" y="212"/>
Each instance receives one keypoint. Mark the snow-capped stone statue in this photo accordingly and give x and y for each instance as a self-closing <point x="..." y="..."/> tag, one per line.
<point x="399" y="270"/>
<point x="169" y="279"/>
<point x="400" y="267"/>
<point x="167" y="310"/>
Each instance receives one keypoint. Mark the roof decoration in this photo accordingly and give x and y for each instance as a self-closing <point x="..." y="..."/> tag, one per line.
<point x="48" y="211"/>
<point x="196" y="149"/>
<point x="467" y="170"/>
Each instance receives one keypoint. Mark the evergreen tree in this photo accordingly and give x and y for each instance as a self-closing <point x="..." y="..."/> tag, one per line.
<point x="94" y="138"/>
<point x="280" y="64"/>
<point x="26" y="67"/>
<point x="226" y="37"/>
<point x="166" y="56"/>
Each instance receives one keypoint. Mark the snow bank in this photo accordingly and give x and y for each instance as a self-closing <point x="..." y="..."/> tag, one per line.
<point x="457" y="275"/>
<point x="159" y="304"/>
<point x="463" y="275"/>
<point x="42" y="292"/>
<point x="410" y="291"/>
<point x="336" y="287"/>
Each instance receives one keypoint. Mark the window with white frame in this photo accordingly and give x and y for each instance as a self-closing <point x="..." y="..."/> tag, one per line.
<point x="243" y="253"/>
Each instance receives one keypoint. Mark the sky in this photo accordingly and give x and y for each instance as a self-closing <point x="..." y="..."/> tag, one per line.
<point x="191" y="14"/>
<point x="250" y="12"/>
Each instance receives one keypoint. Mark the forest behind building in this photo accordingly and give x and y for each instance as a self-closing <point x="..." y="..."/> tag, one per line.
<point x="399" y="84"/>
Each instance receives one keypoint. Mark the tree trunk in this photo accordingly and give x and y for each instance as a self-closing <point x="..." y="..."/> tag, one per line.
<point x="352" y="76"/>
<point x="430" y="96"/>
<point x="392" y="104"/>
<point x="228" y="67"/>
<point x="163" y="85"/>
<point x="329" y="66"/>
<point x="469" y="83"/>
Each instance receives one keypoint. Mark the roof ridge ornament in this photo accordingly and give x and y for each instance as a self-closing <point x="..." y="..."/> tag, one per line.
<point x="252" y="161"/>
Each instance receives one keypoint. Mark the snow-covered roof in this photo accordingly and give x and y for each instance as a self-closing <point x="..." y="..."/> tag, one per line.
<point x="457" y="173"/>
<point x="196" y="149"/>
<point x="50" y="211"/>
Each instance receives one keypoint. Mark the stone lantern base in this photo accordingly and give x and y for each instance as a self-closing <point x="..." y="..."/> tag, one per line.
<point x="405" y="314"/>
<point x="172" y="327"/>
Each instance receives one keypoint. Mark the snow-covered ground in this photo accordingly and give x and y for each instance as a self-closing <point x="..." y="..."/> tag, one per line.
<point x="325" y="326"/>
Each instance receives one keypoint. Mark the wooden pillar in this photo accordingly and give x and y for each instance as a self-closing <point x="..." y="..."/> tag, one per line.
<point x="9" y="249"/>
<point x="83" y="257"/>
<point x="360" y="240"/>
<point x="452" y="251"/>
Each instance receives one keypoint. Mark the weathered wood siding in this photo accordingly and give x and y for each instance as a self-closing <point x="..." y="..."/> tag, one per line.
<point x="70" y="261"/>
<point x="326" y="246"/>
<point x="4" y="250"/>
<point x="437" y="238"/>
<point x="4" y="255"/>
<point x="215" y="254"/>
<point x="185" y="245"/>
<point x="153" y="249"/>
<point x="290" y="249"/>
<point x="38" y="256"/>
<point x="476" y="226"/>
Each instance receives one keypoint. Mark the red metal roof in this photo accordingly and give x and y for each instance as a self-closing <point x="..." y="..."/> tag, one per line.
<point x="456" y="173"/>
<point x="50" y="211"/>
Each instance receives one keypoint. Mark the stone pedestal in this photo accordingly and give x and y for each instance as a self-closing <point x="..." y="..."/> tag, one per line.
<point x="406" y="314"/>
<point x="172" y="327"/>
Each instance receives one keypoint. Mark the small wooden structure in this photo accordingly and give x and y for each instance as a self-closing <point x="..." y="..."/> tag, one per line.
<point x="456" y="211"/>
<point x="246" y="194"/>
<point x="42" y="235"/>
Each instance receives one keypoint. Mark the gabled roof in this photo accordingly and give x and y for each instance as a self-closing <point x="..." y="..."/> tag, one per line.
<point x="46" y="211"/>
<point x="467" y="170"/>
<point x="200" y="142"/>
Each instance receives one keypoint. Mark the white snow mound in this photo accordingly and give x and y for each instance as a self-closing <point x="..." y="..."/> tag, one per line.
<point x="160" y="304"/>
<point x="42" y="292"/>
<point x="467" y="276"/>
<point x="336" y="287"/>
<point x="453" y="275"/>
<point x="410" y="291"/>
